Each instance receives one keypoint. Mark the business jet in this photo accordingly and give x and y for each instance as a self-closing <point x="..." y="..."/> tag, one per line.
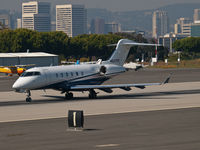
<point x="83" y="77"/>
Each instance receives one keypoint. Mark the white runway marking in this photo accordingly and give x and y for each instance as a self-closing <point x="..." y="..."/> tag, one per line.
<point x="107" y="145"/>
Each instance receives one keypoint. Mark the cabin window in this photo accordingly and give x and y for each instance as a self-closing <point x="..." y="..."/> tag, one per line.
<point x="82" y="73"/>
<point x="56" y="75"/>
<point x="66" y="74"/>
<point x="61" y="75"/>
<point x="77" y="73"/>
<point x="71" y="73"/>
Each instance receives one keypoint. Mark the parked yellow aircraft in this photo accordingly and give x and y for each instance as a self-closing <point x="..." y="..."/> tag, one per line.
<point x="17" y="69"/>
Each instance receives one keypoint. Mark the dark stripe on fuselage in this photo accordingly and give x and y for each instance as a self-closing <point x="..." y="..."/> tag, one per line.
<point x="96" y="79"/>
<point x="65" y="85"/>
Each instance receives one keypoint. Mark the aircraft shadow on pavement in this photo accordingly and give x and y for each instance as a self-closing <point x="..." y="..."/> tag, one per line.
<point x="59" y="99"/>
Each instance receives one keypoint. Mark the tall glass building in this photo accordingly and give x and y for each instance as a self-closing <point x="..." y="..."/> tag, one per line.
<point x="196" y="14"/>
<point x="36" y="16"/>
<point x="195" y="29"/>
<point x="160" y="24"/>
<point x="5" y="20"/>
<point x="71" y="19"/>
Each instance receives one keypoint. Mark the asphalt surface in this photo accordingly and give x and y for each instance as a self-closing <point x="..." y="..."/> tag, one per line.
<point x="175" y="129"/>
<point x="155" y="130"/>
<point x="157" y="75"/>
<point x="6" y="82"/>
<point x="141" y="76"/>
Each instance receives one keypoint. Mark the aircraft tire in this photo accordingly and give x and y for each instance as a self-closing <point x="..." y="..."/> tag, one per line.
<point x="92" y="96"/>
<point x="69" y="96"/>
<point x="28" y="99"/>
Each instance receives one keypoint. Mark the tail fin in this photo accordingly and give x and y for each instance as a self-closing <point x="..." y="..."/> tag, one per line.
<point x="122" y="49"/>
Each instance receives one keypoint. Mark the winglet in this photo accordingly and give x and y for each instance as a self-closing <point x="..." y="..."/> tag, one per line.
<point x="167" y="80"/>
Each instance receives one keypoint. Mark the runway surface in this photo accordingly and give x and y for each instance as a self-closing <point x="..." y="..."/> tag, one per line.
<point x="158" y="117"/>
<point x="157" y="130"/>
<point x="53" y="105"/>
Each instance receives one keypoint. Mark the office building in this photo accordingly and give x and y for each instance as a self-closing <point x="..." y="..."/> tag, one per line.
<point x="195" y="29"/>
<point x="19" y="23"/>
<point x="183" y="26"/>
<point x="53" y="25"/>
<point x="97" y="26"/>
<point x="36" y="16"/>
<point x="196" y="14"/>
<point x="5" y="20"/>
<point x="160" y="23"/>
<point x="168" y="39"/>
<point x="71" y="19"/>
<point x="112" y="27"/>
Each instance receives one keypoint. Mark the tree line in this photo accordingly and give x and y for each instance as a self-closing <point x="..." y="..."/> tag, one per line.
<point x="189" y="47"/>
<point x="56" y="42"/>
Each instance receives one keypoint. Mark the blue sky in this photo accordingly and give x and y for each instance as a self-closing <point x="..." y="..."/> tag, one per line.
<point x="113" y="5"/>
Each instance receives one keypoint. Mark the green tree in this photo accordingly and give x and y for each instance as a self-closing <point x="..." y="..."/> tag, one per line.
<point x="190" y="47"/>
<point x="20" y="40"/>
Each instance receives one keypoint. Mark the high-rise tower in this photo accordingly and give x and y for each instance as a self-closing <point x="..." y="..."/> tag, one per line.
<point x="71" y="19"/>
<point x="160" y="24"/>
<point x="97" y="26"/>
<point x="36" y="16"/>
<point x="196" y="14"/>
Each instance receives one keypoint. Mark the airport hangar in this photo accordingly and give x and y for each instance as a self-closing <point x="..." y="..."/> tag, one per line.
<point x="39" y="59"/>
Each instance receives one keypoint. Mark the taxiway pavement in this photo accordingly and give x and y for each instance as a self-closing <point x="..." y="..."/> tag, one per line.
<point x="53" y="105"/>
<point x="158" y="117"/>
<point x="155" y="130"/>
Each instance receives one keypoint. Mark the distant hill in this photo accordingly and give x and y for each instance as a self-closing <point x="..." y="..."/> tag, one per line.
<point x="180" y="10"/>
<point x="142" y="20"/>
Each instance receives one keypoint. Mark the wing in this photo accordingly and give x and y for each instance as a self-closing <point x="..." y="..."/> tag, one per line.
<point x="12" y="67"/>
<point x="123" y="86"/>
<point x="24" y="66"/>
<point x="17" y="66"/>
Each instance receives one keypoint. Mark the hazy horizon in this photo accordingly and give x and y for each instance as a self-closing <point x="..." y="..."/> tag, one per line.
<point x="112" y="5"/>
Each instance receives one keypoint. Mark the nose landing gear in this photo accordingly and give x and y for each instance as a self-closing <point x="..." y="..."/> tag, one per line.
<point x="28" y="96"/>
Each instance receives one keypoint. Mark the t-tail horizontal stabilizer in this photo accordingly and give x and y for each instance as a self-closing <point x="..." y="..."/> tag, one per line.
<point x="122" y="49"/>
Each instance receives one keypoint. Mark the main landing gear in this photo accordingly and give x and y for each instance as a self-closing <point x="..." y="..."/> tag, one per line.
<point x="28" y="96"/>
<point x="92" y="94"/>
<point x="68" y="95"/>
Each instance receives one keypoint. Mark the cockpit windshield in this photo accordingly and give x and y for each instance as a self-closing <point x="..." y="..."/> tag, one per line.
<point x="27" y="74"/>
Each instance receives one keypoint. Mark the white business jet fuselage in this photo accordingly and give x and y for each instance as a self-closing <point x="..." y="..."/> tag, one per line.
<point x="83" y="77"/>
<point x="63" y="77"/>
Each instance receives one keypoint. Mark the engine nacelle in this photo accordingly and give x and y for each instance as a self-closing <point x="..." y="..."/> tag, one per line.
<point x="102" y="70"/>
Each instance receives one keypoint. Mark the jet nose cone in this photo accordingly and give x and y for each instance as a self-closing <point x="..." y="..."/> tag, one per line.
<point x="14" y="86"/>
<point x="17" y="87"/>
